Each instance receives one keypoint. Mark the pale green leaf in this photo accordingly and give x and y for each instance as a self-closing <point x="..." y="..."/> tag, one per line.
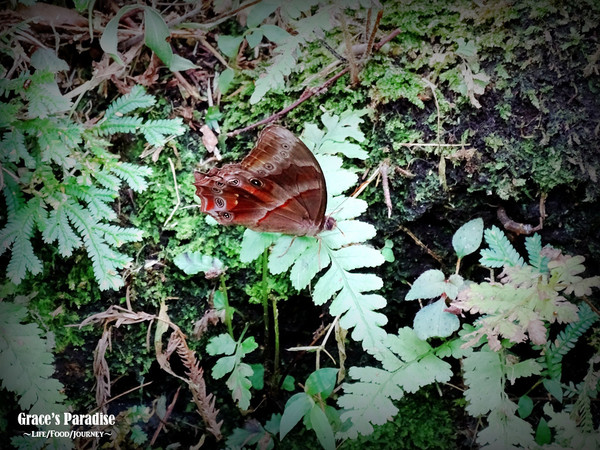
<point x="308" y="264"/>
<point x="225" y="79"/>
<point x="468" y="237"/>
<point x="296" y="407"/>
<point x="254" y="38"/>
<point x="434" y="321"/>
<point x="254" y="244"/>
<point x="260" y="12"/>
<point x="285" y="251"/>
<point x="46" y="59"/>
<point x="193" y="262"/>
<point x="321" y="381"/>
<point x="229" y="45"/>
<point x="274" y="33"/>
<point x="430" y="284"/>
<point x="348" y="232"/>
<point x="322" y="427"/>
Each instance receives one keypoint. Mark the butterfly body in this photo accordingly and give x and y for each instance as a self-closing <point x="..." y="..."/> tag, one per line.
<point x="279" y="187"/>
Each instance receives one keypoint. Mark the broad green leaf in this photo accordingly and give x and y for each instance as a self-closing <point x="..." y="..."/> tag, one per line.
<point x="296" y="407"/>
<point x="260" y="12"/>
<point x="110" y="39"/>
<point x="229" y="45"/>
<point x="223" y="344"/>
<point x="254" y="38"/>
<point x="308" y="264"/>
<point x="347" y="207"/>
<point x="288" y="383"/>
<point x="225" y="79"/>
<point x="543" y="434"/>
<point x="274" y="33"/>
<point x="322" y="427"/>
<point x="348" y="232"/>
<point x="434" y="321"/>
<point x="337" y="179"/>
<point x="328" y="285"/>
<point x="554" y="387"/>
<point x="156" y="35"/>
<point x="193" y="262"/>
<point x="466" y="49"/>
<point x="321" y="381"/>
<point x="468" y="238"/>
<point x="430" y="284"/>
<point x="258" y="376"/>
<point x="46" y="59"/>
<point x="525" y="406"/>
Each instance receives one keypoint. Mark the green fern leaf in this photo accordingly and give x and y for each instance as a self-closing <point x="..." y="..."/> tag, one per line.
<point x="408" y="365"/>
<point x="533" y="244"/>
<point x="566" y="340"/>
<point x="133" y="175"/>
<point x="239" y="381"/>
<point x="97" y="199"/>
<point x="57" y="227"/>
<point x="501" y="251"/>
<point x="105" y="261"/>
<point x="107" y="180"/>
<point x="156" y="131"/>
<point x="116" y="235"/>
<point x="18" y="232"/>
<point x="506" y="430"/>
<point x="53" y="148"/>
<point x="13" y="148"/>
<point x="44" y="96"/>
<point x="483" y="375"/>
<point x="136" y="99"/>
<point x="26" y="364"/>
<point x="115" y="125"/>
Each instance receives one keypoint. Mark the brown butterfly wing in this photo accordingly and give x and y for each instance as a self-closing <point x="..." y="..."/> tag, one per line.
<point x="278" y="187"/>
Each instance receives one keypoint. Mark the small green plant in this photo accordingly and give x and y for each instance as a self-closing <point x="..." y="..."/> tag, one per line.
<point x="61" y="179"/>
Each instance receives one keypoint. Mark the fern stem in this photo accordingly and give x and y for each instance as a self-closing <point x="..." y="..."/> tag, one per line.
<point x="276" y="333"/>
<point x="265" y="295"/>
<point x="228" y="310"/>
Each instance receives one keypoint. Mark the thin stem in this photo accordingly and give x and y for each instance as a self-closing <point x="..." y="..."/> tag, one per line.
<point x="228" y="310"/>
<point x="276" y="332"/>
<point x="265" y="295"/>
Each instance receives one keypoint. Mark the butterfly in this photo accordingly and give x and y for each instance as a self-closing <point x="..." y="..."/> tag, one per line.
<point x="278" y="187"/>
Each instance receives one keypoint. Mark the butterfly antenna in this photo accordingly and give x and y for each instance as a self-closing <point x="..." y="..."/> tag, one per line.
<point x="289" y="246"/>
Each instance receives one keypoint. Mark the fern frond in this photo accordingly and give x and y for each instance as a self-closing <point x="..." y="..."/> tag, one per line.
<point x="117" y="236"/>
<point x="97" y="199"/>
<point x="408" y="364"/>
<point x="18" y="233"/>
<point x="107" y="180"/>
<point x="533" y="244"/>
<point x="116" y="124"/>
<point x="26" y="364"/>
<point x="566" y="340"/>
<point x="501" y="251"/>
<point x="133" y="175"/>
<point x="57" y="227"/>
<point x="12" y="147"/>
<point x="156" y="131"/>
<point x="105" y="261"/>
<point x="136" y="99"/>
